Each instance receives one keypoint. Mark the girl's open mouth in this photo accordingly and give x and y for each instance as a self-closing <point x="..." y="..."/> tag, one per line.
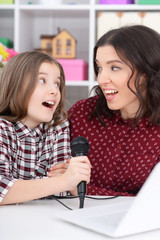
<point x="48" y="104"/>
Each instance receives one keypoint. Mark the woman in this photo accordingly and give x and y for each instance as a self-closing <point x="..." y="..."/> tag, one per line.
<point x="122" y="121"/>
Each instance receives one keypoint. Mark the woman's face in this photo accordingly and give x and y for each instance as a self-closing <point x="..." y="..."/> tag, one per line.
<point x="113" y="75"/>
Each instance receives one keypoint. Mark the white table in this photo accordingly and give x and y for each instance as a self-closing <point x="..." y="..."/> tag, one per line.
<point x="36" y="220"/>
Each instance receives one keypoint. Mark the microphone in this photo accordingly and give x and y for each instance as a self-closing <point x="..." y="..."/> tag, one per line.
<point x="80" y="147"/>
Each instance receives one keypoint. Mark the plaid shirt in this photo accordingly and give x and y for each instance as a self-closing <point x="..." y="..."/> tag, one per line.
<point x="29" y="154"/>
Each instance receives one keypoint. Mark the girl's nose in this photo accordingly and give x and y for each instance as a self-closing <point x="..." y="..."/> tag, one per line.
<point x="53" y="89"/>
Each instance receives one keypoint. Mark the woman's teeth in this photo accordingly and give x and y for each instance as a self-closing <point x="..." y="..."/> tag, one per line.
<point x="110" y="91"/>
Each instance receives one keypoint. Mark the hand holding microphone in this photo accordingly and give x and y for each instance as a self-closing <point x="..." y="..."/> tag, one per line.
<point x="80" y="147"/>
<point x="75" y="171"/>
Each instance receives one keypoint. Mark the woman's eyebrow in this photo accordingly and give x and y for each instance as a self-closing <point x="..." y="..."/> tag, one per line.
<point x="111" y="61"/>
<point x="114" y="61"/>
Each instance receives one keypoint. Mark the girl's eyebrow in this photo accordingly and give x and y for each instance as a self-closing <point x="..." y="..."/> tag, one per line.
<point x="42" y="73"/>
<point x="58" y="77"/>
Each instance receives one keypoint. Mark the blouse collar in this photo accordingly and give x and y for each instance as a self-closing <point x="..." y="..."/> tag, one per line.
<point x="142" y="124"/>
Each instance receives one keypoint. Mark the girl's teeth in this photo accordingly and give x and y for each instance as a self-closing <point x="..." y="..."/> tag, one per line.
<point x="50" y="102"/>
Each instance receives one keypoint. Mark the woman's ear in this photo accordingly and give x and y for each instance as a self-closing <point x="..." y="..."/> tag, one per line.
<point x="143" y="82"/>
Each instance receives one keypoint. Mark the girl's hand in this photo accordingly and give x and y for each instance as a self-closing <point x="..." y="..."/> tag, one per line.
<point x="58" y="169"/>
<point x="79" y="169"/>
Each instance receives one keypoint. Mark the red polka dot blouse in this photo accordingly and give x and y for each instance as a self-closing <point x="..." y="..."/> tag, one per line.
<point x="121" y="156"/>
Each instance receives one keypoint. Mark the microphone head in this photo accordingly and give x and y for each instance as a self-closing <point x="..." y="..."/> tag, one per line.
<point x="80" y="146"/>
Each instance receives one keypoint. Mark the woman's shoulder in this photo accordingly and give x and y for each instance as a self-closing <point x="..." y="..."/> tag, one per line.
<point x="84" y="105"/>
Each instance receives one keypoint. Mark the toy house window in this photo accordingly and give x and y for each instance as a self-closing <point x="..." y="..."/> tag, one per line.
<point x="68" y="42"/>
<point x="48" y="45"/>
<point x="58" y="46"/>
<point x="68" y="47"/>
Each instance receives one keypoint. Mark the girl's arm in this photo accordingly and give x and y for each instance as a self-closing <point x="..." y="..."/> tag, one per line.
<point x="25" y="190"/>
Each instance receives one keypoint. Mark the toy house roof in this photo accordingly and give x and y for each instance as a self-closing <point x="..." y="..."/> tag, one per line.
<point x="64" y="30"/>
<point x="47" y="36"/>
<point x="53" y="36"/>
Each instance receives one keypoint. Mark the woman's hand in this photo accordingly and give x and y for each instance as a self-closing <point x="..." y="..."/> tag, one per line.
<point x="58" y="169"/>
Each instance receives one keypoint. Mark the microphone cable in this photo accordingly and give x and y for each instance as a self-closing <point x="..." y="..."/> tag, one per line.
<point x="57" y="198"/>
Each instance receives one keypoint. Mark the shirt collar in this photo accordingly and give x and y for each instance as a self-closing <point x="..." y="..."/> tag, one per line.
<point x="24" y="131"/>
<point x="142" y="124"/>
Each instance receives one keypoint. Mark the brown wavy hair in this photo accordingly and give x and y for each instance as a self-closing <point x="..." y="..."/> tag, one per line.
<point x="138" y="46"/>
<point x="18" y="81"/>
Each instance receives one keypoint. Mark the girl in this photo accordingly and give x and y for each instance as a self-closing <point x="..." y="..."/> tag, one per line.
<point x="34" y="132"/>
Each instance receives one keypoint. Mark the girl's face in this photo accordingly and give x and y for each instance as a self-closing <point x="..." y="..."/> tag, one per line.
<point x="46" y="96"/>
<point x="113" y="75"/>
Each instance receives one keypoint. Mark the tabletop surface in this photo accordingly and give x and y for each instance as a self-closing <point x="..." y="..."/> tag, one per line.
<point x="38" y="220"/>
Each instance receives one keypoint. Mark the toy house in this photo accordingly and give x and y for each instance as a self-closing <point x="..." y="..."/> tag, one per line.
<point x="62" y="45"/>
<point x="46" y="44"/>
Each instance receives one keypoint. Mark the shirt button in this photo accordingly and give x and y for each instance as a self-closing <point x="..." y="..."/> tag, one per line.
<point x="32" y="149"/>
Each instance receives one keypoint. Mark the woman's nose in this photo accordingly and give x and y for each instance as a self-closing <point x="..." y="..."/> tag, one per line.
<point x="103" y="77"/>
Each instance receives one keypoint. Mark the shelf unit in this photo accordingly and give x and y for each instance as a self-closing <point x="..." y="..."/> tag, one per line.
<point x="24" y="23"/>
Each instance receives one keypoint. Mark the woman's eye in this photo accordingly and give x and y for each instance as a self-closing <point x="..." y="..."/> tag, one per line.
<point x="114" y="68"/>
<point x="98" y="68"/>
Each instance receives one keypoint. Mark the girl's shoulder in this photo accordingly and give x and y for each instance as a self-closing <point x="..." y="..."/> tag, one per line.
<point x="64" y="124"/>
<point x="7" y="128"/>
<point x="61" y="127"/>
<point x="5" y="124"/>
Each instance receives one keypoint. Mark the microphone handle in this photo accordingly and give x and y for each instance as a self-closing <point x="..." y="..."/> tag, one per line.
<point x="81" y="186"/>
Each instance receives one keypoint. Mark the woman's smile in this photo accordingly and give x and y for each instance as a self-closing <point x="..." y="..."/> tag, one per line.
<point x="113" y="77"/>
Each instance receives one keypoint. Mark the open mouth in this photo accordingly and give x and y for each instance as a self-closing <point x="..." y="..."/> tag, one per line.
<point x="110" y="93"/>
<point x="48" y="104"/>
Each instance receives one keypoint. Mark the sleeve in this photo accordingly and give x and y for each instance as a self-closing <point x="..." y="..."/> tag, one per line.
<point x="92" y="190"/>
<point x="62" y="150"/>
<point x="6" y="178"/>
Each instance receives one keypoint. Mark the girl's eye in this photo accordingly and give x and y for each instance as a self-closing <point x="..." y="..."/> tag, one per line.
<point x="57" y="84"/>
<point x="42" y="80"/>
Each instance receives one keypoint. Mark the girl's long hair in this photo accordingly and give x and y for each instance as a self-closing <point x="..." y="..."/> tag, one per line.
<point x="18" y="81"/>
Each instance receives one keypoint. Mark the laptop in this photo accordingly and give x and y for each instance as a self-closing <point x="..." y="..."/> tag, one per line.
<point x="129" y="215"/>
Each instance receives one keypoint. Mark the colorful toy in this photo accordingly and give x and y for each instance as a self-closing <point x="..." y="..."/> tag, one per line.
<point x="6" y="53"/>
